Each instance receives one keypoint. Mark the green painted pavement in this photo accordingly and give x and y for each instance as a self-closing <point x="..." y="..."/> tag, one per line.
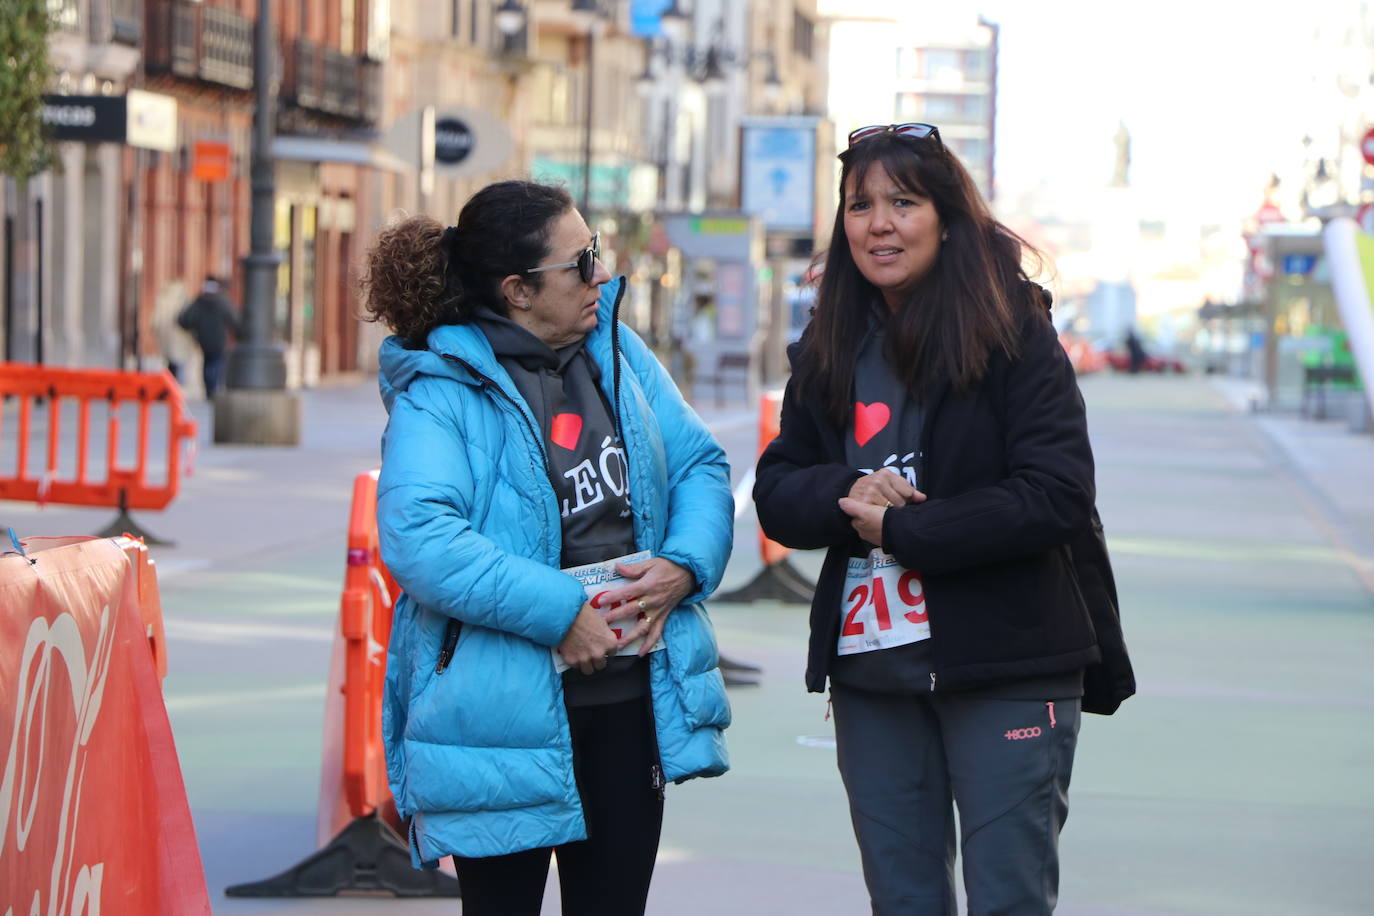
<point x="1238" y="782"/>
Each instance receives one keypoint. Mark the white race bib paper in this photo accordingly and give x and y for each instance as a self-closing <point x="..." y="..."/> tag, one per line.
<point x="883" y="605"/>
<point x="597" y="579"/>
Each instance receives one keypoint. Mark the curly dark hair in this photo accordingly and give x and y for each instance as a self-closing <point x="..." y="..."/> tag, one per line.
<point x="419" y="275"/>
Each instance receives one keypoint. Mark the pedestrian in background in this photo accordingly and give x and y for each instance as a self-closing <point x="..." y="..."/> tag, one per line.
<point x="211" y="318"/>
<point x="1135" y="352"/>
<point x="530" y="433"/>
<point x="933" y="439"/>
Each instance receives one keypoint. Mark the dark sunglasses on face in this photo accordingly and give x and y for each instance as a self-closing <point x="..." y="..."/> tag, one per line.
<point x="585" y="263"/>
<point x="914" y="129"/>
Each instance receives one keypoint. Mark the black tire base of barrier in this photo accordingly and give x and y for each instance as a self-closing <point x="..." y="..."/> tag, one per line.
<point x="779" y="582"/>
<point x="739" y="674"/>
<point x="366" y="857"/>
<point x="124" y="523"/>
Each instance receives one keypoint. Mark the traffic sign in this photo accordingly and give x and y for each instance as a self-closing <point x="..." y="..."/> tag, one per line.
<point x="1367" y="146"/>
<point x="453" y="140"/>
<point x="1299" y="264"/>
<point x="1365" y="218"/>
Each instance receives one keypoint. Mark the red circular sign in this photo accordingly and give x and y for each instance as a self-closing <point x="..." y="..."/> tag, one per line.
<point x="1367" y="146"/>
<point x="1365" y="217"/>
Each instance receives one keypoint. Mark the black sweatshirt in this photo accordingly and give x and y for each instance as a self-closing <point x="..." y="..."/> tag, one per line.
<point x="587" y="469"/>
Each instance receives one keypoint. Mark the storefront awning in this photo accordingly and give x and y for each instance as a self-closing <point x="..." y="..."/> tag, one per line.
<point x="329" y="149"/>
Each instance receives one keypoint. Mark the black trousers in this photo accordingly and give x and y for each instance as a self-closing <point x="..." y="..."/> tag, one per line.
<point x="607" y="874"/>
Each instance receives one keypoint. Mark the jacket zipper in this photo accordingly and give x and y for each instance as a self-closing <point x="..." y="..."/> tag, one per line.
<point x="932" y="682"/>
<point x="657" y="781"/>
<point x="451" y="631"/>
<point x="454" y="626"/>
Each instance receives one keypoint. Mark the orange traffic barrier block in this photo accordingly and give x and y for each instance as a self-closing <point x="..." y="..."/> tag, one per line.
<point x="89" y="745"/>
<point x="67" y="474"/>
<point x="779" y="580"/>
<point x="362" y="849"/>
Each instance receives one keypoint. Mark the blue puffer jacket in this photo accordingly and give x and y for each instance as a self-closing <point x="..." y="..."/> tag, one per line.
<point x="479" y="755"/>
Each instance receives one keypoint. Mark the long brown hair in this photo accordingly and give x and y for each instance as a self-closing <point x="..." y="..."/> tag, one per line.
<point x="966" y="308"/>
<point x="420" y="275"/>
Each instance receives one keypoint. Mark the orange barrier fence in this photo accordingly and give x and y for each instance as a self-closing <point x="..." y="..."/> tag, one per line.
<point x="361" y="848"/>
<point x="121" y="486"/>
<point x="88" y="743"/>
<point x="365" y="626"/>
<point x="779" y="580"/>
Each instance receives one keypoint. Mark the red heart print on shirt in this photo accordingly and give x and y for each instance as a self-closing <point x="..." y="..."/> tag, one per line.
<point x="869" y="420"/>
<point x="565" y="430"/>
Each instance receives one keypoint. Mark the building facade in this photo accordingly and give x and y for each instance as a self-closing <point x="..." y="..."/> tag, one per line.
<point x="893" y="64"/>
<point x="61" y="271"/>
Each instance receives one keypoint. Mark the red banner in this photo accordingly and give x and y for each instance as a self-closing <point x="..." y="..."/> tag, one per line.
<point x="93" y="813"/>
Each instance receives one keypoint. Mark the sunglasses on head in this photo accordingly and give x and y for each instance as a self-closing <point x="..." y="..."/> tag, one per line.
<point x="914" y="129"/>
<point x="585" y="263"/>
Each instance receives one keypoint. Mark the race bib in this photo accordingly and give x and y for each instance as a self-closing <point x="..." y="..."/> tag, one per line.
<point x="597" y="579"/>
<point x="883" y="605"/>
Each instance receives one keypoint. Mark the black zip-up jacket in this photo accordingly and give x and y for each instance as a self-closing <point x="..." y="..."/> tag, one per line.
<point x="1008" y="472"/>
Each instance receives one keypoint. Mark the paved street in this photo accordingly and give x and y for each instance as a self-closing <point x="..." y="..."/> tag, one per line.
<point x="1239" y="781"/>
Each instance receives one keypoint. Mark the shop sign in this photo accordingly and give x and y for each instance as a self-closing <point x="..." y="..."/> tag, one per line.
<point x="211" y="160"/>
<point x="141" y="119"/>
<point x="152" y="121"/>
<point x="86" y="118"/>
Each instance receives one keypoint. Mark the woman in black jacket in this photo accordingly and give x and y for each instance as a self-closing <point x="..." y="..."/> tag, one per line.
<point x="933" y="439"/>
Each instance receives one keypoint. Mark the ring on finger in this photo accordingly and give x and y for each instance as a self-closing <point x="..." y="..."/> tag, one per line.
<point x="887" y="504"/>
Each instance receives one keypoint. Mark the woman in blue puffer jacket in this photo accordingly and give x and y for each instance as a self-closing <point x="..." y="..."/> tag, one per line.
<point x="555" y="513"/>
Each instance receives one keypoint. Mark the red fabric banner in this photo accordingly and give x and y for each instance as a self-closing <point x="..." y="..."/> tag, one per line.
<point x="93" y="812"/>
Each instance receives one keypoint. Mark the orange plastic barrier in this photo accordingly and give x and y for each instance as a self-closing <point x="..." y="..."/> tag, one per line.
<point x="770" y="415"/>
<point x="123" y="487"/>
<point x="365" y="625"/>
<point x="361" y="848"/>
<point x="778" y="580"/>
<point x="85" y="742"/>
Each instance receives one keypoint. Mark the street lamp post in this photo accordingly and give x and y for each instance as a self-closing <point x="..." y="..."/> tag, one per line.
<point x="590" y="13"/>
<point x="256" y="408"/>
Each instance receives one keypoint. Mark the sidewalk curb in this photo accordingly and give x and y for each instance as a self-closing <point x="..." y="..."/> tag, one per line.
<point x="1351" y="544"/>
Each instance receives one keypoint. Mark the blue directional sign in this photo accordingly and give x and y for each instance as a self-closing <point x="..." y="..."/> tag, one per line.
<point x="646" y="17"/>
<point x="1300" y="264"/>
<point x="778" y="172"/>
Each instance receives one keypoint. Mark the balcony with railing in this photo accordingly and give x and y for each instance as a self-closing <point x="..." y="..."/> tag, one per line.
<point x="193" y="41"/>
<point x="325" y="80"/>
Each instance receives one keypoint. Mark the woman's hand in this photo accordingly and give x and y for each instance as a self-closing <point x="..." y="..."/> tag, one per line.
<point x="884" y="488"/>
<point x="588" y="642"/>
<point x="658" y="585"/>
<point x="871" y="496"/>
<point x="867" y="519"/>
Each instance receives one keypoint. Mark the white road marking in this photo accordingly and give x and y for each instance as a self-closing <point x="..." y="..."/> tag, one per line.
<point x="213" y="632"/>
<point x="241" y="697"/>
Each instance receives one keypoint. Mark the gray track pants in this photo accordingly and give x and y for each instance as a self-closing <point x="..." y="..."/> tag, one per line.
<point x="1006" y="763"/>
